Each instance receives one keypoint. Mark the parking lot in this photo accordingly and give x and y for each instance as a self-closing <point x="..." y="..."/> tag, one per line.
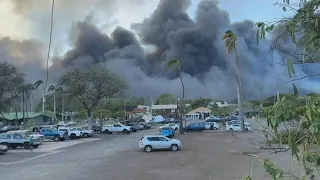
<point x="205" y="155"/>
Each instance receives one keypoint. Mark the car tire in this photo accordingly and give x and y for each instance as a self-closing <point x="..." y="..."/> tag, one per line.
<point x="246" y="129"/>
<point x="230" y="129"/>
<point x="125" y="131"/>
<point x="62" y="139"/>
<point x="98" y="131"/>
<point x="148" y="148"/>
<point x="176" y="129"/>
<point x="56" y="138"/>
<point x="73" y="136"/>
<point x="174" y="147"/>
<point x="6" y="144"/>
<point x="85" y="135"/>
<point x="35" y="145"/>
<point x="14" y="147"/>
<point x="107" y="131"/>
<point x="26" y="146"/>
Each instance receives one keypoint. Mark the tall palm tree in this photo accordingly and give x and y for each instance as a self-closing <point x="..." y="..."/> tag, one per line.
<point x="60" y="91"/>
<point x="176" y="63"/>
<point x="230" y="42"/>
<point x="24" y="90"/>
<point x="36" y="85"/>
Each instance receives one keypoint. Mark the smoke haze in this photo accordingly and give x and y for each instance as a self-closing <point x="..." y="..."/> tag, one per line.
<point x="140" y="54"/>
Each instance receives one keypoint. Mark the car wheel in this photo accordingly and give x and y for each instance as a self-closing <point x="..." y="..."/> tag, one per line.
<point x="230" y="129"/>
<point x="26" y="146"/>
<point x="246" y="129"/>
<point x="85" y="135"/>
<point x="36" y="145"/>
<point x="99" y="131"/>
<point x="174" y="147"/>
<point x="73" y="136"/>
<point x="6" y="144"/>
<point x="126" y="131"/>
<point x="148" y="149"/>
<point x="62" y="139"/>
<point x="56" y="138"/>
<point x="107" y="131"/>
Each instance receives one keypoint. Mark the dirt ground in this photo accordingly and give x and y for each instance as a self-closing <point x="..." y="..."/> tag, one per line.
<point x="205" y="156"/>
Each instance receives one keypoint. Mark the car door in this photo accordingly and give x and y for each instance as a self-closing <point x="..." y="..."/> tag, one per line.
<point x="17" y="139"/>
<point x="164" y="143"/>
<point x="116" y="128"/>
<point x="154" y="142"/>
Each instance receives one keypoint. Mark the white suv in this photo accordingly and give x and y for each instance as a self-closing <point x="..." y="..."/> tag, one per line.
<point x="159" y="142"/>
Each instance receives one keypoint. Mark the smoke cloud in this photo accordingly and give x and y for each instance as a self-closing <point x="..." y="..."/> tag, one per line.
<point x="141" y="54"/>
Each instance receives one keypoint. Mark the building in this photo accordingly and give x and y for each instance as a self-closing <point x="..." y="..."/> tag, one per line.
<point x="167" y="111"/>
<point x="199" y="113"/>
<point x="16" y="119"/>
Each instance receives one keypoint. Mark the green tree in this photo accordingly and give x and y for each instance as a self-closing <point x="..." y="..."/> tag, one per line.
<point x="303" y="30"/>
<point x="176" y="63"/>
<point x="200" y="102"/>
<point x="230" y="42"/>
<point x="166" y="98"/>
<point x="90" y="86"/>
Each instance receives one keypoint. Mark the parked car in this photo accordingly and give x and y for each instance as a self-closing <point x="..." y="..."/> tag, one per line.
<point x="159" y="142"/>
<point x="73" y="133"/>
<point x="16" y="139"/>
<point x="174" y="126"/>
<point x="167" y="132"/>
<point x="236" y="127"/>
<point x="83" y="132"/>
<point x="134" y="127"/>
<point x="144" y="125"/>
<point x="196" y="127"/>
<point x="52" y="134"/>
<point x="116" y="128"/>
<point x="3" y="149"/>
<point x="8" y="128"/>
<point x="212" y="126"/>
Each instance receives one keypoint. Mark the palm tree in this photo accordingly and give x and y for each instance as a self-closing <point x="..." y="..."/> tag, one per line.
<point x="230" y="41"/>
<point x="36" y="85"/>
<point x="60" y="91"/>
<point x="176" y="63"/>
<point x="24" y="90"/>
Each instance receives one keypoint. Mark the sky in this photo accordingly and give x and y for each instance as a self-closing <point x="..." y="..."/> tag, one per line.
<point x="30" y="24"/>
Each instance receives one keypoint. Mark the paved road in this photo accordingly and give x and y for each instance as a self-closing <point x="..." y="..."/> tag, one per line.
<point x="81" y="161"/>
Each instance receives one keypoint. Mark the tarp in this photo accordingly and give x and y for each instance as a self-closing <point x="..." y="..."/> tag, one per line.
<point x="147" y="118"/>
<point x="158" y="119"/>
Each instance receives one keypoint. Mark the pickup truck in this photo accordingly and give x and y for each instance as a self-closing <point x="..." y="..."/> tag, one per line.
<point x="16" y="139"/>
<point x="116" y="128"/>
<point x="72" y="133"/>
<point x="52" y="134"/>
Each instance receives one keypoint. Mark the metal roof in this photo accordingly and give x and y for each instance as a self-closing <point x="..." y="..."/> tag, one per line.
<point x="167" y="106"/>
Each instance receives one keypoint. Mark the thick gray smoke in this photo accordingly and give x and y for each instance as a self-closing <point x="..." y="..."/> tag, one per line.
<point x="170" y="33"/>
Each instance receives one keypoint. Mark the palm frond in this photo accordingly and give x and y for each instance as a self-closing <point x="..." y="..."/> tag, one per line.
<point x="230" y="40"/>
<point x="174" y="62"/>
<point x="52" y="88"/>
<point x="37" y="83"/>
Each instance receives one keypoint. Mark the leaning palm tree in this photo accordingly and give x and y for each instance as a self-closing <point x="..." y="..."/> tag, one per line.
<point x="60" y="91"/>
<point x="230" y="42"/>
<point x="36" y="85"/>
<point x="176" y="63"/>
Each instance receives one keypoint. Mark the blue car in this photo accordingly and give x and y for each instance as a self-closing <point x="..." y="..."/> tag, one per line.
<point x="196" y="127"/>
<point x="167" y="131"/>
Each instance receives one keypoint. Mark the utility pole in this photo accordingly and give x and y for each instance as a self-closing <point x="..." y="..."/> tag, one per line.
<point x="62" y="96"/>
<point x="54" y="105"/>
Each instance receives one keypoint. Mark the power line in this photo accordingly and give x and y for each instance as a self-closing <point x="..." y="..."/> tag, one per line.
<point x="50" y="37"/>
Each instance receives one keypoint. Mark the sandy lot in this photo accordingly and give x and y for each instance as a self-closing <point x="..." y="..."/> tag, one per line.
<point x="205" y="156"/>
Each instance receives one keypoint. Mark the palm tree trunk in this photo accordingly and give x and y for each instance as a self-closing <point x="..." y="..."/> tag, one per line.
<point x="182" y="106"/>
<point x="239" y="91"/>
<point x="31" y="102"/>
<point x="24" y="119"/>
<point x="62" y="106"/>
<point x="54" y="105"/>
